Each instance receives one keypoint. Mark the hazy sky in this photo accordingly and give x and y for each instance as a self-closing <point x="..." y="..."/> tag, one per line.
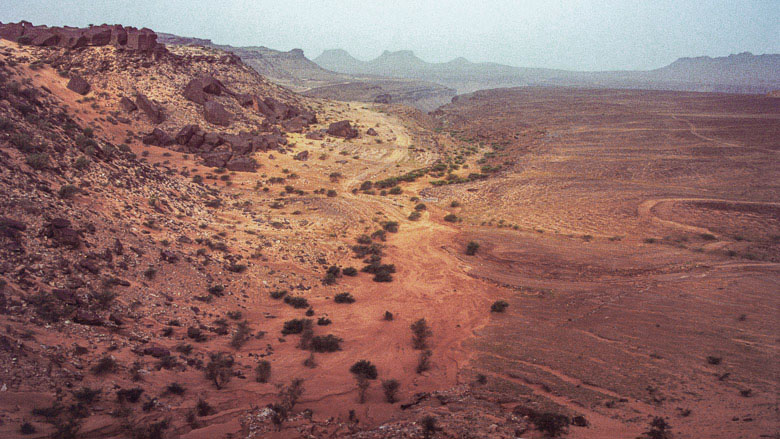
<point x="570" y="34"/>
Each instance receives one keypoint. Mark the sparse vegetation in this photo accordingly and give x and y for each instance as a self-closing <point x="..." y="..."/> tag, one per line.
<point x="499" y="306"/>
<point x="471" y="248"/>
<point x="421" y="332"/>
<point x="344" y="298"/>
<point x="219" y="369"/>
<point x="262" y="371"/>
<point x="390" y="388"/>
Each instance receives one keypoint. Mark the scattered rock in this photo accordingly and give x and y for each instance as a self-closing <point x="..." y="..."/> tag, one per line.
<point x="371" y="132"/>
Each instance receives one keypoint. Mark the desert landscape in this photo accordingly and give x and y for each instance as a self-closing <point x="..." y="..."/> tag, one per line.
<point x="212" y="241"/>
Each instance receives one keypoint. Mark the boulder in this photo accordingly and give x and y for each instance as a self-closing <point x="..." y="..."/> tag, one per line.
<point x="186" y="133"/>
<point x="158" y="137"/>
<point x="384" y="98"/>
<point x="153" y="111"/>
<point x="240" y="144"/>
<point x="211" y="85"/>
<point x="156" y="351"/>
<point x="216" y="159"/>
<point x="141" y="40"/>
<point x="245" y="100"/>
<point x="371" y="132"/>
<point x="302" y="156"/>
<point x="295" y="125"/>
<point x="85" y="317"/>
<point x="215" y="113"/>
<point x="65" y="296"/>
<point x="127" y="105"/>
<point x="78" y="85"/>
<point x="197" y="141"/>
<point x="213" y="139"/>
<point x="342" y="129"/>
<point x="242" y="164"/>
<point x="193" y="91"/>
<point x="315" y="135"/>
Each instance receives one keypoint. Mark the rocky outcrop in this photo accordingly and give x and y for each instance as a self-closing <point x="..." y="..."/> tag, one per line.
<point x="127" y="105"/>
<point x="158" y="137"/>
<point x="242" y="164"/>
<point x="124" y="38"/>
<point x="342" y="129"/>
<point x="79" y="85"/>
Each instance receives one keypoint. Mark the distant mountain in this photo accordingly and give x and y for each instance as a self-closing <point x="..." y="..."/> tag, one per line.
<point x="293" y="70"/>
<point x="742" y="73"/>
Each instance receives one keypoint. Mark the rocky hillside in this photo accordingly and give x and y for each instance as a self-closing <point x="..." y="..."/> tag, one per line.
<point x="743" y="73"/>
<point x="152" y="286"/>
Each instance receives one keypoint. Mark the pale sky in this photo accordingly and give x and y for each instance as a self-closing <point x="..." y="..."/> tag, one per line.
<point x="571" y="34"/>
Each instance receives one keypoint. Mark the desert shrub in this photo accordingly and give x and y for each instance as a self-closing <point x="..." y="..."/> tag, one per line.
<point x="296" y="302"/>
<point x="216" y="290"/>
<point x="175" y="388"/>
<point x="27" y="428"/>
<point x="471" y="248"/>
<point x="129" y="395"/>
<point x="196" y="334"/>
<point x="499" y="306"/>
<point x="549" y="423"/>
<point x="344" y="298"/>
<point x="388" y="316"/>
<point x="455" y="204"/>
<point x="103" y="299"/>
<point x="420" y="207"/>
<point x="380" y="235"/>
<point x="714" y="360"/>
<point x="659" y="429"/>
<point x="105" y="365"/>
<point x="331" y="193"/>
<point x="262" y="371"/>
<point x="365" y="369"/>
<point x="331" y="275"/>
<point x="451" y="218"/>
<point x="294" y="326"/>
<point x="81" y="163"/>
<point x="414" y="216"/>
<point x="67" y="191"/>
<point x="364" y="239"/>
<point x="49" y="413"/>
<point x="390" y="388"/>
<point x="241" y="335"/>
<point x="278" y="294"/>
<point x="424" y="361"/>
<point x="203" y="408"/>
<point x="323" y="321"/>
<point x="349" y="271"/>
<point x="420" y="334"/>
<point x="219" y="368"/>
<point x="234" y="315"/>
<point x="390" y="226"/>
<point x="395" y="190"/>
<point x="38" y="161"/>
<point x="86" y="395"/>
<point x="325" y="343"/>
<point x="310" y="362"/>
<point x="429" y="426"/>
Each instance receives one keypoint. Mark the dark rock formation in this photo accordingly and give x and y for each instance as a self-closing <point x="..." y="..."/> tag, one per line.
<point x="242" y="164"/>
<point x="125" y="38"/>
<point x="78" y="85"/>
<point x="342" y="129"/>
<point x="158" y="137"/>
<point x="215" y="113"/>
<point x="216" y="159"/>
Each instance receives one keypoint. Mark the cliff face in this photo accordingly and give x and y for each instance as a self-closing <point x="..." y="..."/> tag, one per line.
<point x="126" y="38"/>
